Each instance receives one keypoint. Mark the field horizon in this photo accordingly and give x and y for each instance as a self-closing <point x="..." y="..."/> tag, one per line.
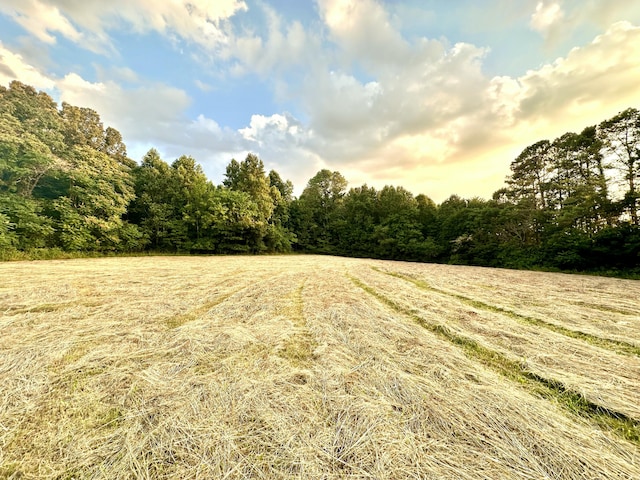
<point x="304" y="366"/>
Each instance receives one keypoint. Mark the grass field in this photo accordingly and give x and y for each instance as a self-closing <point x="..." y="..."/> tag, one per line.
<point x="315" y="367"/>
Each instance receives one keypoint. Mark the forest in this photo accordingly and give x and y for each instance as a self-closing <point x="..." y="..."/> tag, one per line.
<point x="67" y="187"/>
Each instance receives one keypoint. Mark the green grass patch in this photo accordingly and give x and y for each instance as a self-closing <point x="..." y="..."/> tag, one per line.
<point x="553" y="390"/>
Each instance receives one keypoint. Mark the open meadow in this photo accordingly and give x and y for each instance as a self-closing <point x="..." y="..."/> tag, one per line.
<point x="315" y="367"/>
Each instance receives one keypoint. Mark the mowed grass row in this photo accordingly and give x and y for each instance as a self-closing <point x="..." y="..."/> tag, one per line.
<point x="269" y="367"/>
<point x="600" y="375"/>
<point x="607" y="308"/>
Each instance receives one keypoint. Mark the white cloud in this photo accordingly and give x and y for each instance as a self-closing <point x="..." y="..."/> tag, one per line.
<point x="154" y="116"/>
<point x="41" y="19"/>
<point x="547" y="16"/>
<point x="381" y="109"/>
<point x="601" y="75"/>
<point x="125" y="74"/>
<point x="151" y="115"/>
<point x="363" y="29"/>
<point x="14" y="67"/>
<point x="88" y="23"/>
<point x="284" y="46"/>
<point x="443" y="119"/>
<point x="353" y="118"/>
<point x="285" y="145"/>
<point x="556" y="20"/>
<point x="157" y="104"/>
<point x="276" y="131"/>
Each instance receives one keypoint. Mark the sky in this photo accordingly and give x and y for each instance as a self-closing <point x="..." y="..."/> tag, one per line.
<point x="436" y="96"/>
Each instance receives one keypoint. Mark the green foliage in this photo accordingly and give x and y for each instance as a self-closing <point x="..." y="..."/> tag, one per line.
<point x="318" y="211"/>
<point x="249" y="177"/>
<point x="153" y="208"/>
<point x="271" y="197"/>
<point x="25" y="225"/>
<point x="66" y="184"/>
<point x="240" y="227"/>
<point x="98" y="194"/>
<point x="81" y="127"/>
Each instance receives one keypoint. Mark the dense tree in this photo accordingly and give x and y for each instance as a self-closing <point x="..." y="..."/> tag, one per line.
<point x="36" y="113"/>
<point x="98" y="194"/>
<point x="152" y="209"/>
<point x="240" y="226"/>
<point x="280" y="236"/>
<point x="24" y="224"/>
<point x="317" y="211"/>
<point x="66" y="182"/>
<point x="529" y="180"/>
<point x="249" y="176"/>
<point x="30" y="138"/>
<point x="191" y="200"/>
<point x="578" y="189"/>
<point x="358" y="221"/>
<point x="82" y="127"/>
<point x="398" y="233"/>
<point x="114" y="146"/>
<point x="272" y="197"/>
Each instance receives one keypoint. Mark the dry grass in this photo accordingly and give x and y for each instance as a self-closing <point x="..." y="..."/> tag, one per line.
<point x="282" y="367"/>
<point x="602" y="376"/>
<point x="604" y="307"/>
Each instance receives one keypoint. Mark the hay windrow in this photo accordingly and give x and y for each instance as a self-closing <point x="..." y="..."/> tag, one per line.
<point x="615" y="421"/>
<point x="600" y="375"/>
<point x="614" y="345"/>
<point x="284" y="369"/>
<point x="603" y="307"/>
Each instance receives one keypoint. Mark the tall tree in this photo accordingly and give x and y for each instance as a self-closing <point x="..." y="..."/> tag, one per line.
<point x="359" y="219"/>
<point x="114" y="146"/>
<point x="249" y="176"/>
<point x="153" y="208"/>
<point x="398" y="233"/>
<point x="621" y="137"/>
<point x="239" y="225"/>
<point x="317" y="211"/>
<point x="31" y="139"/>
<point x="579" y="187"/>
<point x="82" y="126"/>
<point x="280" y="236"/>
<point x="529" y="179"/>
<point x="192" y="198"/>
<point x="30" y="144"/>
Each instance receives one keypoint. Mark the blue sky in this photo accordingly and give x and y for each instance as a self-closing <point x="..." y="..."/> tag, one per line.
<point x="436" y="96"/>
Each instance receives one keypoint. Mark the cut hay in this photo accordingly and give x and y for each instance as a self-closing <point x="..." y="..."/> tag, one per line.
<point x="281" y="367"/>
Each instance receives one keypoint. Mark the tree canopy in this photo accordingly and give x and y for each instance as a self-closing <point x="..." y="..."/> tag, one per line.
<point x="67" y="183"/>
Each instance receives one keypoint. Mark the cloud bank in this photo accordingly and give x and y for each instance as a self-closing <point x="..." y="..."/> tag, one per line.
<point x="386" y="108"/>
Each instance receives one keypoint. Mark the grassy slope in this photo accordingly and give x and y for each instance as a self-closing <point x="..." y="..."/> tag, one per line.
<point x="281" y="367"/>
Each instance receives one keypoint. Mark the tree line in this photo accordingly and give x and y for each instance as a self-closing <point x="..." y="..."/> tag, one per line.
<point x="67" y="185"/>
